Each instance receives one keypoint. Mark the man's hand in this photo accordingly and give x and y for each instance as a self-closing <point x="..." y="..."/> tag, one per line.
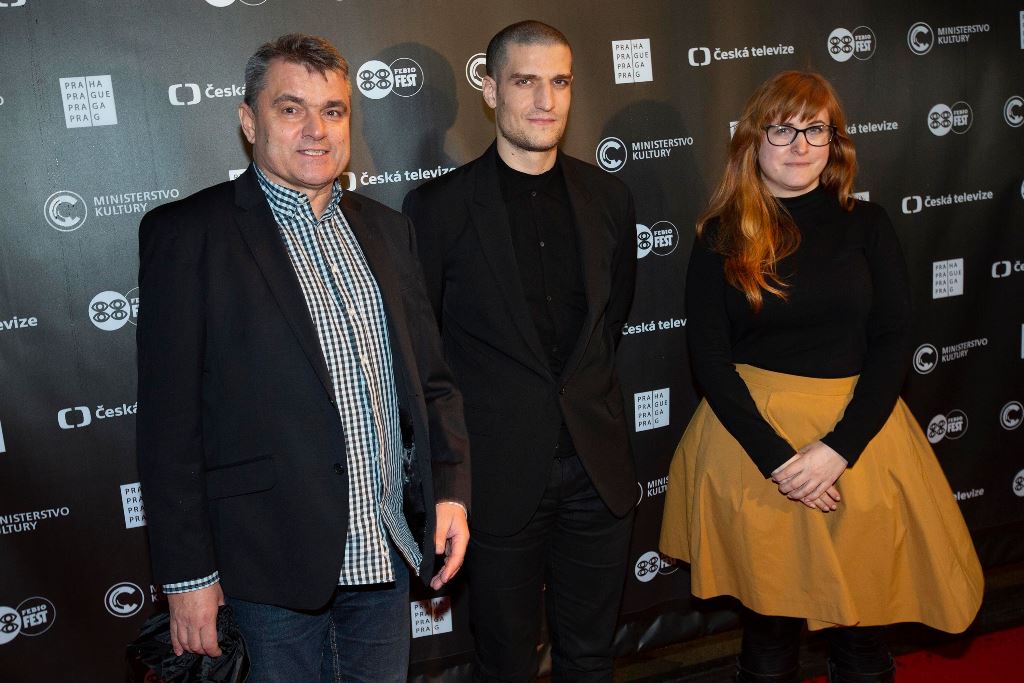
<point x="194" y="620"/>
<point x="810" y="476"/>
<point x="451" y="537"/>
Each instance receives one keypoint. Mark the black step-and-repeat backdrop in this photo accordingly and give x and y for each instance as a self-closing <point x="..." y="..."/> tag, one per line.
<point x="110" y="108"/>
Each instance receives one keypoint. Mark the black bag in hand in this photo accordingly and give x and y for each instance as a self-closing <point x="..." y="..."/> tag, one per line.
<point x="153" y="650"/>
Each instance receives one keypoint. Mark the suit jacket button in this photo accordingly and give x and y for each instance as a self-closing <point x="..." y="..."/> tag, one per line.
<point x="562" y="391"/>
<point x="339" y="468"/>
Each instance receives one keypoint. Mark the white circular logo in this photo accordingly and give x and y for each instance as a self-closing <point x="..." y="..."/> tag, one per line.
<point x="408" y="77"/>
<point x="219" y="3"/>
<point x="936" y="429"/>
<point x="375" y="79"/>
<point x="926" y="357"/>
<point x="1011" y="415"/>
<point x="37" y="616"/>
<point x="647" y="566"/>
<point x="124" y="599"/>
<point x="110" y="310"/>
<point x="940" y="119"/>
<point x="644" y="241"/>
<point x="476" y="70"/>
<point x="65" y="211"/>
<point x="10" y="624"/>
<point x="963" y="117"/>
<point x="1013" y="111"/>
<point x="920" y="38"/>
<point x="665" y="237"/>
<point x="840" y="44"/>
<point x="1018" y="484"/>
<point x="612" y="154"/>
<point x="864" y="43"/>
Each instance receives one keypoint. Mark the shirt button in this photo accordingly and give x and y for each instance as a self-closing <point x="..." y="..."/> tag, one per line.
<point x="533" y="193"/>
<point x="562" y="391"/>
<point x="542" y="244"/>
<point x="339" y="468"/>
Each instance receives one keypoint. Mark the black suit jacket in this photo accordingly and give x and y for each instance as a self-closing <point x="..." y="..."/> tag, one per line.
<point x="240" y="447"/>
<point x="514" y="404"/>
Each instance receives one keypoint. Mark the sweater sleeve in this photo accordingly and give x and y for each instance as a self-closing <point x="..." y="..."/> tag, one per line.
<point x="708" y="336"/>
<point x="888" y="339"/>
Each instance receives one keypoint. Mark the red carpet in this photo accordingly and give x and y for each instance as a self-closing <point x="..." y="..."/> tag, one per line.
<point x="990" y="658"/>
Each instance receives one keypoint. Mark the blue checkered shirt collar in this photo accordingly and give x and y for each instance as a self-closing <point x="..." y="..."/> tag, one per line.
<point x="287" y="203"/>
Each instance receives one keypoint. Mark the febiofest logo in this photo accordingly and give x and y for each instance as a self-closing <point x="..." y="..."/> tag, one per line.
<point x="88" y="101"/>
<point x="431" y="616"/>
<point x="703" y="56"/>
<point x="953" y="425"/>
<point x="612" y="153"/>
<point x="859" y="43"/>
<point x="21" y="522"/>
<point x="1011" y="415"/>
<point x="131" y="501"/>
<point x="921" y="38"/>
<point x="124" y="599"/>
<point x="947" y="278"/>
<point x="81" y="416"/>
<point x="651" y="409"/>
<point x="33" y="617"/>
<point x="1018" y="484"/>
<point x="1013" y="111"/>
<point x="112" y="310"/>
<point x="916" y="203"/>
<point x="632" y="60"/>
<point x="651" y="564"/>
<point x="187" y="94"/>
<point x="662" y="238"/>
<point x="1001" y="269"/>
<point x="476" y="69"/>
<point x="926" y="357"/>
<point x="65" y="211"/>
<point x="377" y="80"/>
<point x="225" y="3"/>
<point x="957" y="118"/>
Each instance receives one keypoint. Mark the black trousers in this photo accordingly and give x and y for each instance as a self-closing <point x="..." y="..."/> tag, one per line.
<point x="573" y="554"/>
<point x="771" y="647"/>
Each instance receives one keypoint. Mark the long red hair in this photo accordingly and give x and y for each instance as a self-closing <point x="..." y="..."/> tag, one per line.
<point x="754" y="230"/>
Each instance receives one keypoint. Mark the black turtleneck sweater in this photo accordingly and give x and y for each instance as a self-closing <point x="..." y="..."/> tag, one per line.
<point x="847" y="313"/>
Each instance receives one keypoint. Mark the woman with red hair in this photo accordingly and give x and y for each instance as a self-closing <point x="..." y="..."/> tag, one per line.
<point x="803" y="485"/>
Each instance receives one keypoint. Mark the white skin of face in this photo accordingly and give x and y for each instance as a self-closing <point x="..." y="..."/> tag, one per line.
<point x="300" y="129"/>
<point x="530" y="99"/>
<point x="795" y="169"/>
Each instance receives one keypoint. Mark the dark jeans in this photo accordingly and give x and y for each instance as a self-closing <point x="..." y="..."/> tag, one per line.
<point x="771" y="647"/>
<point x="362" y="634"/>
<point x="573" y="554"/>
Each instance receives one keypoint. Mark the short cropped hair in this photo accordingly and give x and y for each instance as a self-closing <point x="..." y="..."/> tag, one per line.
<point x="522" y="33"/>
<point x="313" y="52"/>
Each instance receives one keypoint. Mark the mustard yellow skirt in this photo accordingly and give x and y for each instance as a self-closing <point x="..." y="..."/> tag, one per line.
<point x="896" y="550"/>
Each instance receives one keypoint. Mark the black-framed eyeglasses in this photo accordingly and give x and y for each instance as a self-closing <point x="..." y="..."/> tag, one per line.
<point x="781" y="135"/>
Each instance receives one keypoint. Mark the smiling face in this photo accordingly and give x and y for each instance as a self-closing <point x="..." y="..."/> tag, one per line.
<point x="300" y="129"/>
<point x="531" y="97"/>
<point x="796" y="168"/>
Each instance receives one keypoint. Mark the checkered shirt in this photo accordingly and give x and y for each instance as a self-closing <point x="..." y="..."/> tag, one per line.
<point x="345" y="305"/>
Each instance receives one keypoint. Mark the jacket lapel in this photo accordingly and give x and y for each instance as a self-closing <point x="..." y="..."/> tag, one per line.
<point x="490" y="218"/>
<point x="594" y="246"/>
<point x="260" y="232"/>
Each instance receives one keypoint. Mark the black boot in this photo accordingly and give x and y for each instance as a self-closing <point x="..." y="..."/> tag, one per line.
<point x="837" y="675"/>
<point x="744" y="676"/>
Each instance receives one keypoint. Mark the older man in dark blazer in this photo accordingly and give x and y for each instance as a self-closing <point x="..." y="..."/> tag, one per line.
<point x="530" y="260"/>
<point x="301" y="444"/>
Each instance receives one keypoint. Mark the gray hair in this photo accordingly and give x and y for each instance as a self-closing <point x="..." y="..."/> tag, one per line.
<point x="313" y="52"/>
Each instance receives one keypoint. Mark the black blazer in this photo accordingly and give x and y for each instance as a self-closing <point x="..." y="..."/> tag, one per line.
<point x="241" y="451"/>
<point x="514" y="404"/>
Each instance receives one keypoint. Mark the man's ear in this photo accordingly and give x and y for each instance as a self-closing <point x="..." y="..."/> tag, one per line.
<point x="490" y="91"/>
<point x="247" y="118"/>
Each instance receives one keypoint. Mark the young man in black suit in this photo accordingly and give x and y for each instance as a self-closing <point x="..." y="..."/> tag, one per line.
<point x="291" y="386"/>
<point x="530" y="261"/>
